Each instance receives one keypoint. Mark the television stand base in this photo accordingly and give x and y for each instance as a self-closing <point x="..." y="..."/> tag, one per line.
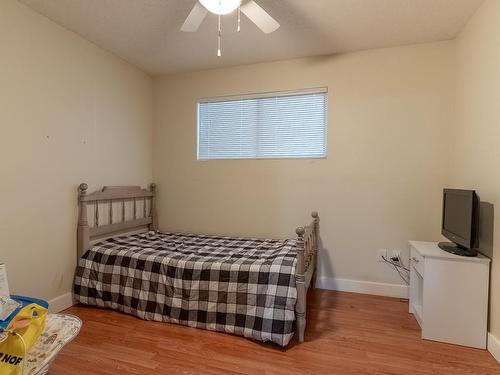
<point x="457" y="250"/>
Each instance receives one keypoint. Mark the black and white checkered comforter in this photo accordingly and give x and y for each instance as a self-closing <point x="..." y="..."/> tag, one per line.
<point x="241" y="286"/>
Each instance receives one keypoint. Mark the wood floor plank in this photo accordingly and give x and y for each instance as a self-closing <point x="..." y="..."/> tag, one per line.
<point x="347" y="334"/>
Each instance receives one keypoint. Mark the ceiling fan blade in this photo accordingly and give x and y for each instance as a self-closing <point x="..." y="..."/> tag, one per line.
<point x="195" y="18"/>
<point x="260" y="17"/>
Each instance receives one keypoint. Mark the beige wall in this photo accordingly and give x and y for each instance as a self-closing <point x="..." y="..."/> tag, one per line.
<point x="477" y="147"/>
<point x="69" y="112"/>
<point x="381" y="185"/>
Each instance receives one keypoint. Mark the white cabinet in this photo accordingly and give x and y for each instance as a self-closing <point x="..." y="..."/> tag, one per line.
<point x="449" y="294"/>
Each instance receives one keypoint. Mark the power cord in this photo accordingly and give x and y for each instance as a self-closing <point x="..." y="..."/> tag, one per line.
<point x="398" y="265"/>
<point x="399" y="262"/>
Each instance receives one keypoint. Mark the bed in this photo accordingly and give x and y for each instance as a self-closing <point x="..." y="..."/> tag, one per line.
<point x="249" y="287"/>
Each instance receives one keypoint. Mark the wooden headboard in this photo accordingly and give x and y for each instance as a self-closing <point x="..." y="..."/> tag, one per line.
<point x="113" y="202"/>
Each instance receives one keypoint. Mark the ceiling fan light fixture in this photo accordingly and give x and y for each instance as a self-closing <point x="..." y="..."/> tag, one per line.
<point x="221" y="7"/>
<point x="250" y="8"/>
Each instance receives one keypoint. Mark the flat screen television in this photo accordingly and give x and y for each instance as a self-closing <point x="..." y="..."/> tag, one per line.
<point x="460" y="221"/>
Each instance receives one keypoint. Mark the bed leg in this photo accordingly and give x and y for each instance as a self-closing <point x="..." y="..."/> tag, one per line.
<point x="300" y="310"/>
<point x="300" y="281"/>
<point x="315" y="217"/>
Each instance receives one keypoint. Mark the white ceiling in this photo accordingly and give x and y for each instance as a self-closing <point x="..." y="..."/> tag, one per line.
<point x="146" y="32"/>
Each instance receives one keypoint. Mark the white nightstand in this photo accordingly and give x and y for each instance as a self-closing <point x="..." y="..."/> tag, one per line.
<point x="449" y="294"/>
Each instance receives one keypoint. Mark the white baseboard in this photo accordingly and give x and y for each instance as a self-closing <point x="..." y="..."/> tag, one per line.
<point x="365" y="287"/>
<point x="494" y="346"/>
<point x="61" y="303"/>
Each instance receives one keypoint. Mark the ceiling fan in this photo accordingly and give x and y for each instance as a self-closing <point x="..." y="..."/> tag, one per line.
<point x="222" y="7"/>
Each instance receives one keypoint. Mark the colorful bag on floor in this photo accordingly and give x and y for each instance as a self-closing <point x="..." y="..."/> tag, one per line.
<point x="22" y="332"/>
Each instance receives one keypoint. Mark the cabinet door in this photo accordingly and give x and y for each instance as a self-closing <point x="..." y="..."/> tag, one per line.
<point x="455" y="302"/>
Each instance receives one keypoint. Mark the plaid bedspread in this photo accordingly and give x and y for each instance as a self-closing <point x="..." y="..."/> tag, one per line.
<point x="241" y="286"/>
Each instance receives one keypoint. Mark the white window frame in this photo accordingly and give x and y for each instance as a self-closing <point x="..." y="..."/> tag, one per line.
<point x="270" y="94"/>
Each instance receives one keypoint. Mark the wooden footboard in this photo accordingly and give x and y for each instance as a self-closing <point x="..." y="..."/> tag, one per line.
<point x="305" y="277"/>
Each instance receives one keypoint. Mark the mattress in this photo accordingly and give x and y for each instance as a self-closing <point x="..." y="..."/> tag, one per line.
<point x="242" y="286"/>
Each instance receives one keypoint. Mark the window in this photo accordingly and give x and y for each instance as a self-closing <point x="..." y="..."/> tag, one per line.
<point x="275" y="125"/>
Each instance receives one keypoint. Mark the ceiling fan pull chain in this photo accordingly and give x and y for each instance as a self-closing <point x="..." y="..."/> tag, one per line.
<point x="219" y="33"/>
<point x="239" y="19"/>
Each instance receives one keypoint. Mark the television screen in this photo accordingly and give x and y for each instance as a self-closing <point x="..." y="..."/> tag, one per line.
<point x="459" y="216"/>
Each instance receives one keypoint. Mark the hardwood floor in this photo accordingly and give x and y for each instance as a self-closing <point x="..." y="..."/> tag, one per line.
<point x="346" y="334"/>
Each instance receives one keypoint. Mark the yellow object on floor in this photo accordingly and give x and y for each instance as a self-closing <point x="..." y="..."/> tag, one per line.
<point x="22" y="332"/>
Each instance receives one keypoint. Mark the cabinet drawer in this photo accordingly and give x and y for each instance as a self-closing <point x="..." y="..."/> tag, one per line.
<point x="417" y="261"/>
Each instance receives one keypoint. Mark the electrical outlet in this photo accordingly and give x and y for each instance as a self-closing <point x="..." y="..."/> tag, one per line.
<point x="381" y="254"/>
<point x="396" y="257"/>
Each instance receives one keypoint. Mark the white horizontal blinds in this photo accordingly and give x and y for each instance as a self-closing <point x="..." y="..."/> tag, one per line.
<point x="289" y="125"/>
